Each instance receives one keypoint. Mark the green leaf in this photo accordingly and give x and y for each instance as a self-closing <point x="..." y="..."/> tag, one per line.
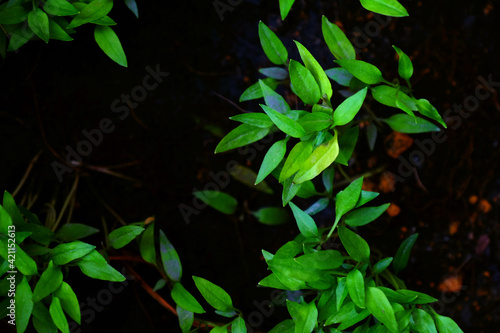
<point x="297" y="156"/>
<point x="284" y="123"/>
<point x="328" y="177"/>
<point x="303" y="83"/>
<point x="318" y="206"/>
<point x="347" y="199"/>
<point x="363" y="71"/>
<point x="365" y="197"/>
<point x="290" y="189"/>
<point x="356" y="287"/>
<point x="214" y="295"/>
<point x="276" y="73"/>
<point x="397" y="296"/>
<point x="60" y="8"/>
<point x="11" y="208"/>
<point x="238" y="325"/>
<point x="423" y="321"/>
<point x="371" y="135"/>
<point x="388" y="95"/>
<point x="346" y="312"/>
<point x="306" y="224"/>
<point x="171" y="262"/>
<point x="241" y="136"/>
<point x="273" y="100"/>
<point x="272" y="215"/>
<point x="306" y="319"/>
<point x="254" y="118"/>
<point x="248" y="177"/>
<point x="341" y="292"/>
<point x="73" y="231"/>
<point x="57" y="314"/>
<point x="93" y="11"/>
<point x="446" y="324"/>
<point x="24" y="304"/>
<point x="132" y="5"/>
<point x="428" y="110"/>
<point x="405" y="67"/>
<point x="38" y="22"/>
<point x="421" y="298"/>
<point x="13" y="15"/>
<point x="69" y="301"/>
<point x="403" y="253"/>
<point x="315" y="122"/>
<point x="379" y="306"/>
<point x="255" y="92"/>
<point x="184" y="299"/>
<point x="58" y="33"/>
<point x="186" y="319"/>
<point x="337" y="41"/>
<point x="319" y="74"/>
<point x="64" y="253"/>
<point x="271" y="281"/>
<point x="5" y="222"/>
<point x="320" y="159"/>
<point x="385" y="7"/>
<point x="286" y="326"/>
<point x="109" y="42"/>
<point x="120" y="237"/>
<point x="363" y="216"/>
<point x="272" y="159"/>
<point x="352" y="320"/>
<point x="49" y="281"/>
<point x="42" y="320"/>
<point x="273" y="47"/>
<point x="347" y="143"/>
<point x="24" y="263"/>
<point x="381" y="265"/>
<point x="221" y="201"/>
<point x="348" y="109"/>
<point x="406" y="124"/>
<point x="95" y="266"/>
<point x="326" y="259"/>
<point x="354" y="244"/>
<point x="285" y="6"/>
<point x="340" y="75"/>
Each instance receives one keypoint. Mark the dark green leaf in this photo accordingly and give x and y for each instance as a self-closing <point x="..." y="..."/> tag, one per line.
<point x="132" y="5"/>
<point x="64" y="253"/>
<point x="347" y="199"/>
<point x="108" y="41"/>
<point x="365" y="215"/>
<point x="10" y="206"/>
<point x="345" y="312"/>
<point x="381" y="309"/>
<point x="381" y="265"/>
<point x="5" y="222"/>
<point x="423" y="321"/>
<point x="397" y="297"/>
<point x="38" y="22"/>
<point x="385" y="7"/>
<point x="341" y="292"/>
<point x="241" y="136"/>
<point x="254" y="118"/>
<point x="288" y="325"/>
<point x="186" y="319"/>
<point x="73" y="231"/>
<point x="328" y="177"/>
<point x="318" y="206"/>
<point x="221" y="201"/>
<point x="276" y="73"/>
<point x="19" y="35"/>
<point x="421" y="298"/>
<point x="337" y="41"/>
<point x="57" y="314"/>
<point x="403" y="253"/>
<point x="347" y="143"/>
<point x="24" y="304"/>
<point x="93" y="11"/>
<point x="356" y="287"/>
<point x="49" y="281"/>
<point x="405" y="67"/>
<point x="171" y="262"/>
<point x="184" y="299"/>
<point x="320" y="159"/>
<point x="214" y="295"/>
<point x="69" y="301"/>
<point x="60" y="8"/>
<point x="58" y="33"/>
<point x="42" y="320"/>
<point x="371" y="133"/>
<point x="272" y="159"/>
<point x="319" y="74"/>
<point x="364" y="71"/>
<point x="272" y="215"/>
<point x="306" y="224"/>
<point x="406" y="124"/>
<point x="354" y="244"/>
<point x="303" y="83"/>
<point x="273" y="47"/>
<point x="13" y="15"/>
<point x="95" y="266"/>
<point x="348" y="109"/>
<point x="120" y="237"/>
<point x="238" y="325"/>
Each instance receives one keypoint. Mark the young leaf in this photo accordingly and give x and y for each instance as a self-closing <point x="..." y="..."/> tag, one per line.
<point x="299" y="153"/>
<point x="255" y="92"/>
<point x="406" y="124"/>
<point x="184" y="299"/>
<point x="285" y="6"/>
<point x="171" y="262"/>
<point x="363" y="71"/>
<point x="428" y="110"/>
<point x="120" y="237"/>
<point x="108" y="41"/>
<point x="356" y="246"/>
<point x="57" y="314"/>
<point x="66" y="252"/>
<point x="241" y="136"/>
<point x="284" y="123"/>
<point x="49" y="281"/>
<point x="272" y="159"/>
<point x="276" y="73"/>
<point x="73" y="231"/>
<point x="379" y="306"/>
<point x="337" y="41"/>
<point x="385" y="7"/>
<point x="186" y="319"/>
<point x="24" y="304"/>
<point x="348" y="109"/>
<point x="272" y="215"/>
<point x="423" y="321"/>
<point x="273" y="47"/>
<point x="257" y="119"/>
<point x="365" y="215"/>
<point x="221" y="201"/>
<point x="238" y="325"/>
<point x="214" y="295"/>
<point x="92" y="12"/>
<point x="306" y="224"/>
<point x="320" y="159"/>
<point x="381" y="265"/>
<point x="319" y="74"/>
<point x="365" y="197"/>
<point x="60" y="8"/>
<point x="347" y="199"/>
<point x="38" y="22"/>
<point x="356" y="287"/>
<point x="69" y="301"/>
<point x="95" y="266"/>
<point x="388" y="95"/>
<point x="273" y="100"/>
<point x="446" y="324"/>
<point x="403" y="253"/>
<point x="303" y="83"/>
<point x="405" y="67"/>
<point x="347" y="143"/>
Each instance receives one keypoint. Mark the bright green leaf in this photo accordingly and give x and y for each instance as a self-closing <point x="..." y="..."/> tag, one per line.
<point x="423" y="321"/>
<point x="405" y="67"/>
<point x="58" y="33"/>
<point x="385" y="7"/>
<point x="38" y="22"/>
<point x="69" y="301"/>
<point x="337" y="41"/>
<point x="348" y="109"/>
<point x="381" y="309"/>
<point x="347" y="199"/>
<point x="406" y="124"/>
<point x="95" y="266"/>
<point x="24" y="304"/>
<point x="273" y="47"/>
<point x="272" y="159"/>
<point x="241" y="136"/>
<point x="214" y="295"/>
<point x="57" y="314"/>
<point x="184" y="299"/>
<point x="446" y="324"/>
<point x="305" y="223"/>
<point x="356" y="287"/>
<point x="303" y="83"/>
<point x="93" y="11"/>
<point x="285" y="6"/>
<point x="120" y="237"/>
<point x="354" y="244"/>
<point x="66" y="252"/>
<point x="108" y="41"/>
<point x="299" y="153"/>
<point x="315" y="122"/>
<point x="257" y="119"/>
<point x="284" y="123"/>
<point x="428" y="110"/>
<point x="363" y="71"/>
<point x="49" y="281"/>
<point x="388" y="95"/>
<point x="381" y="265"/>
<point x="363" y="216"/>
<point x="255" y="92"/>
<point x="238" y="325"/>
<point x="319" y="74"/>
<point x="326" y="259"/>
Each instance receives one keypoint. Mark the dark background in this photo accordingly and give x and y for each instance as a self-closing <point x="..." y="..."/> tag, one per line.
<point x="50" y="93"/>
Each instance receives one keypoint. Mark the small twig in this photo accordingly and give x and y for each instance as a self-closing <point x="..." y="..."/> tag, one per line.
<point x="108" y="208"/>
<point x="230" y="102"/>
<point x="26" y="173"/>
<point x="66" y="202"/>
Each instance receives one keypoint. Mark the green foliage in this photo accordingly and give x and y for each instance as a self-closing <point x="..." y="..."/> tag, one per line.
<point x="24" y="20"/>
